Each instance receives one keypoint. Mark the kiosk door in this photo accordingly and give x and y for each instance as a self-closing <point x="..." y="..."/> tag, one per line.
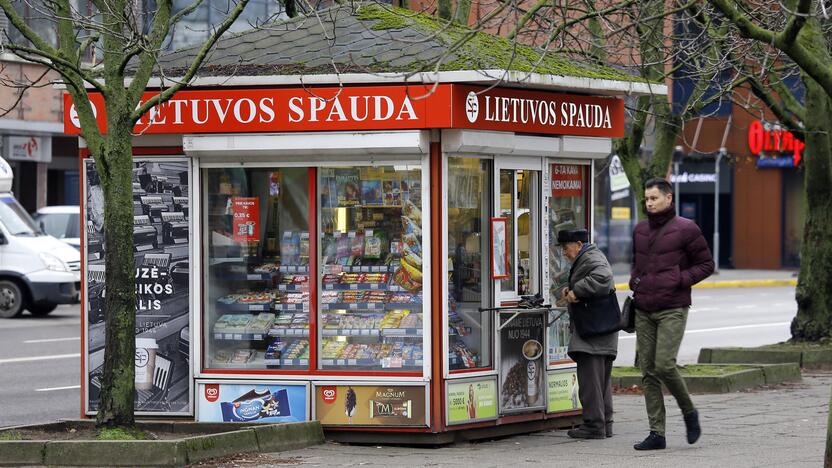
<point x="518" y="200"/>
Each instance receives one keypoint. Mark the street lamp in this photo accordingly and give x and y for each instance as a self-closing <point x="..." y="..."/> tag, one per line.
<point x="722" y="152"/>
<point x="678" y="154"/>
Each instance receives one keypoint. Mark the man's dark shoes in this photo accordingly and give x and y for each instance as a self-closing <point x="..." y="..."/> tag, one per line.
<point x="609" y="430"/>
<point x="584" y="433"/>
<point x="692" y="426"/>
<point x="652" y="442"/>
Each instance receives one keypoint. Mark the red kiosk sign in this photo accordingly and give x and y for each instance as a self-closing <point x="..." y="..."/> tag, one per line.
<point x="369" y="108"/>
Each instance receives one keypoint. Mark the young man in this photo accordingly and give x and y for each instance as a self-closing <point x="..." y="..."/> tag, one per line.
<point x="669" y="256"/>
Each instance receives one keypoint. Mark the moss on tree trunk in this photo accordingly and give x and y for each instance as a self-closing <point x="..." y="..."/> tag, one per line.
<point x="117" y="394"/>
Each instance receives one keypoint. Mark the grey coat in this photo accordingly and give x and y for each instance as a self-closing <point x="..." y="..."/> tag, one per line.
<point x="591" y="276"/>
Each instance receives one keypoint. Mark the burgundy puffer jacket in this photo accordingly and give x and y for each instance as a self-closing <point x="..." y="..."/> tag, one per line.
<point x="678" y="260"/>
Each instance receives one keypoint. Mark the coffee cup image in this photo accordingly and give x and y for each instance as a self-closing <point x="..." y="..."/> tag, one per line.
<point x="145" y="362"/>
<point x="532" y="349"/>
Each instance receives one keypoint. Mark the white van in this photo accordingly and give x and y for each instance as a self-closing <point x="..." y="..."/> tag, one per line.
<point x="37" y="271"/>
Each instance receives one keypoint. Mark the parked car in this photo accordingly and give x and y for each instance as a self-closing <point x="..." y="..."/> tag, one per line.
<point x="61" y="222"/>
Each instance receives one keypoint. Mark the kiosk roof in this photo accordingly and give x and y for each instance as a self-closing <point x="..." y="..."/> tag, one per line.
<point x="380" y="40"/>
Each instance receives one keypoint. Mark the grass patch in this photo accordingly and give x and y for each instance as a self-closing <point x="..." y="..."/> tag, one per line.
<point x="118" y="433"/>
<point x="10" y="435"/>
<point x="690" y="370"/>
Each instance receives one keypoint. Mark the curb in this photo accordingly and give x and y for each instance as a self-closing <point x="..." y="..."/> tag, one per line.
<point x="755" y="375"/>
<point x="820" y="358"/>
<point x="762" y="283"/>
<point x="172" y="452"/>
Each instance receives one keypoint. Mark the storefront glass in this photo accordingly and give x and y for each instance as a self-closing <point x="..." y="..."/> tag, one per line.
<point x="257" y="268"/>
<point x="567" y="210"/>
<point x="469" y="195"/>
<point x="371" y="268"/>
<point x="507" y="211"/>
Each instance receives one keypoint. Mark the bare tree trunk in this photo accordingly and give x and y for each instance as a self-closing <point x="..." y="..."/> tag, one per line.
<point x="117" y="390"/>
<point x="814" y="285"/>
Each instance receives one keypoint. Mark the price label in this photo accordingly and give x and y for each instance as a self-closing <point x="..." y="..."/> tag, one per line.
<point x="238" y="336"/>
<point x="353" y="306"/>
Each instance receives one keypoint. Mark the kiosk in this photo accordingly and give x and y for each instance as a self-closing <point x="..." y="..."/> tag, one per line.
<point x="347" y="242"/>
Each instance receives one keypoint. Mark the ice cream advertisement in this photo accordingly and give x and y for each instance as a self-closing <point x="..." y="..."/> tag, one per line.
<point x="258" y="403"/>
<point x="364" y="405"/>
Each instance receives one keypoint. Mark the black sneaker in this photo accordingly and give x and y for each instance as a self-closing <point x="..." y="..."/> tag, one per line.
<point x="583" y="433"/>
<point x="608" y="431"/>
<point x="652" y="442"/>
<point x="692" y="426"/>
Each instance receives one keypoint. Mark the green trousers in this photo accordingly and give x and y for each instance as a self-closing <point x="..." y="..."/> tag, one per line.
<point x="658" y="336"/>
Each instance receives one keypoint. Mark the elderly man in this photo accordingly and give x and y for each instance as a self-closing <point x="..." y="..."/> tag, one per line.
<point x="590" y="278"/>
<point x="670" y="256"/>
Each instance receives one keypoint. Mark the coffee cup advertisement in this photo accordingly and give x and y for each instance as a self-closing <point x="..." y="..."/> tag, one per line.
<point x="366" y="405"/>
<point x="522" y="366"/>
<point x="162" y="261"/>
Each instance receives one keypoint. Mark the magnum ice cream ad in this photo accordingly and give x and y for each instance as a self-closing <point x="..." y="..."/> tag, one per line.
<point x="364" y="405"/>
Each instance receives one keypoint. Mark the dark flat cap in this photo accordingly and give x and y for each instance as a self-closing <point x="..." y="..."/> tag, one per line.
<point x="573" y="235"/>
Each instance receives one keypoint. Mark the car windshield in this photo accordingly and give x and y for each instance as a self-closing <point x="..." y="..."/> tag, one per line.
<point x="59" y="225"/>
<point x="15" y="218"/>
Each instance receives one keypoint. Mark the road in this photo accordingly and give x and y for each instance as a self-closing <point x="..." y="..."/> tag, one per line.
<point x="727" y="317"/>
<point x="39" y="362"/>
<point x="39" y="357"/>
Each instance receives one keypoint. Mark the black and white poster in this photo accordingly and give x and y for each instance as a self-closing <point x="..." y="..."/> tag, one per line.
<point x="161" y="228"/>
<point x="522" y="366"/>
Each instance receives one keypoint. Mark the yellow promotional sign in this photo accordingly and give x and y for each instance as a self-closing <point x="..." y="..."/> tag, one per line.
<point x="620" y="212"/>
<point x="365" y="405"/>
<point x="562" y="392"/>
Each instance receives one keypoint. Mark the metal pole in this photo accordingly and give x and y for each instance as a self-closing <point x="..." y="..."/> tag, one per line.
<point x="716" y="210"/>
<point x="676" y="186"/>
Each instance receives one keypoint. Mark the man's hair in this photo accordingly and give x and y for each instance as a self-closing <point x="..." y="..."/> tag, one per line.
<point x="661" y="184"/>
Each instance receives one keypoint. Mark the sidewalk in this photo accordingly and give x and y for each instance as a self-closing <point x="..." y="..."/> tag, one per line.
<point x="730" y="278"/>
<point x="785" y="426"/>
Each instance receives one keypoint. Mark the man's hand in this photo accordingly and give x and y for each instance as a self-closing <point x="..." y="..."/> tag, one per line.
<point x="569" y="296"/>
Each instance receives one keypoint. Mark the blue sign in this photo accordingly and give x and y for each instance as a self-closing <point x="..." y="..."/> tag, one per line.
<point x="262" y="403"/>
<point x="775" y="162"/>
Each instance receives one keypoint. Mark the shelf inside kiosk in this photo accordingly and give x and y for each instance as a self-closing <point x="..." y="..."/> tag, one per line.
<point x="257" y="290"/>
<point x="370" y="313"/>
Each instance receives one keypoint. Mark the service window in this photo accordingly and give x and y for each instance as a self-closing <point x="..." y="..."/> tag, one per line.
<point x="256" y="268"/>
<point x="371" y="261"/>
<point x="469" y="283"/>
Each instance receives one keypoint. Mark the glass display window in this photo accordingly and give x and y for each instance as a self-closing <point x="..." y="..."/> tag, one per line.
<point x="371" y="269"/>
<point x="567" y="200"/>
<point x="469" y="284"/>
<point x="256" y="294"/>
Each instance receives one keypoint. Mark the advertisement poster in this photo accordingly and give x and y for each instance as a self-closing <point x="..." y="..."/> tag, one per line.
<point x="567" y="180"/>
<point x="521" y="363"/>
<point x="364" y="405"/>
<point x="246" y="218"/>
<point x="562" y="391"/>
<point x="472" y="400"/>
<point x="559" y="336"/>
<point x="162" y="261"/>
<point x="260" y="403"/>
